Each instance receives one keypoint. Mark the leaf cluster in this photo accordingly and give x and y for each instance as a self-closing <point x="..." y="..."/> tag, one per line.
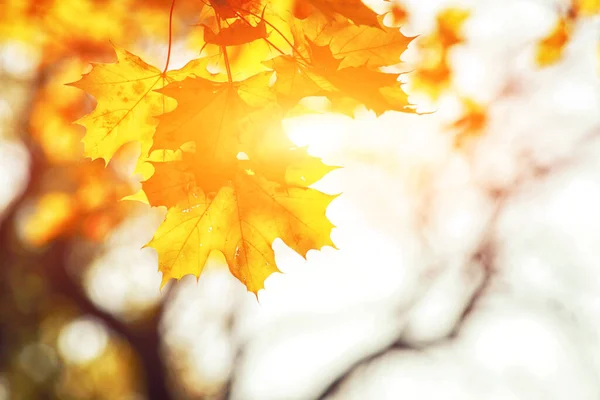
<point x="213" y="149"/>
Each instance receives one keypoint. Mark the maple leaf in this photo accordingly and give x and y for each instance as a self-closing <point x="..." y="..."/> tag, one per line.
<point x="302" y="9"/>
<point x="213" y="147"/>
<point x="215" y="108"/>
<point x="220" y="201"/>
<point x="354" y="10"/>
<point x="376" y="90"/>
<point x="242" y="220"/>
<point x="128" y="102"/>
<point x="78" y="198"/>
<point x="239" y="32"/>
<point x="238" y="36"/>
<point x="232" y="8"/>
<point x="359" y="46"/>
<point x="272" y="155"/>
<point x="296" y="81"/>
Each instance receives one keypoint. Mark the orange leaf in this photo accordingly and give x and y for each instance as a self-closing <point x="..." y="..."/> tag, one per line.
<point x="239" y="32"/>
<point x="220" y="201"/>
<point x="361" y="85"/>
<point x="433" y="74"/>
<point x="358" y="46"/>
<point x="52" y="214"/>
<point x="550" y="49"/>
<point x="354" y="10"/>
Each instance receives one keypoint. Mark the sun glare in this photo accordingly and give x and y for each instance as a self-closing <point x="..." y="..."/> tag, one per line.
<point x="320" y="132"/>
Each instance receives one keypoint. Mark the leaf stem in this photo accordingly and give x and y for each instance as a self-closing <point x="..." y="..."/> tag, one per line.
<point x="170" y="36"/>
<point x="225" y="55"/>
<point x="276" y="30"/>
<point x="227" y="65"/>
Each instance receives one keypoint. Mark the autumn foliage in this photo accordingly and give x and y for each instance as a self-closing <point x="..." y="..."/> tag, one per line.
<point x="212" y="131"/>
<point x="209" y="137"/>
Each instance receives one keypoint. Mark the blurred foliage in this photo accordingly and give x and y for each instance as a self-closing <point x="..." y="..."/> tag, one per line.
<point x="433" y="76"/>
<point x="48" y="324"/>
<point x="70" y="203"/>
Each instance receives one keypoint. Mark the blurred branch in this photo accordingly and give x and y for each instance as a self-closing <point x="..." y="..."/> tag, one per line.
<point x="143" y="337"/>
<point x="485" y="256"/>
<point x="335" y="384"/>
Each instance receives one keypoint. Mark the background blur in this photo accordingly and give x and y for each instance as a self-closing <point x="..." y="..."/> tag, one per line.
<point x="468" y="238"/>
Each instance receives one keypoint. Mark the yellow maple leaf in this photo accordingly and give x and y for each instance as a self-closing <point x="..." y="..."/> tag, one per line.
<point x="242" y="220"/>
<point x="221" y="201"/>
<point x="345" y="87"/>
<point x="357" y="46"/>
<point x="213" y="148"/>
<point x="217" y="107"/>
<point x="128" y="102"/>
<point x="127" y="105"/>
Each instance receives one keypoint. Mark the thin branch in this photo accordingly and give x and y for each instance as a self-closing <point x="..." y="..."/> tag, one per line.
<point x="334" y="386"/>
<point x="225" y="55"/>
<point x="143" y="337"/>
<point x="170" y="36"/>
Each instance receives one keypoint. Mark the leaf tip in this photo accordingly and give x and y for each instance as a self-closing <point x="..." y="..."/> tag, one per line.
<point x="165" y="279"/>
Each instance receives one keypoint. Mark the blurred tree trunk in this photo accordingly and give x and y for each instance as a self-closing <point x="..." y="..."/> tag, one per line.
<point x="15" y="260"/>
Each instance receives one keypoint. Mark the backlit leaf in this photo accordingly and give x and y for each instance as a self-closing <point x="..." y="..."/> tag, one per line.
<point x="127" y="104"/>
